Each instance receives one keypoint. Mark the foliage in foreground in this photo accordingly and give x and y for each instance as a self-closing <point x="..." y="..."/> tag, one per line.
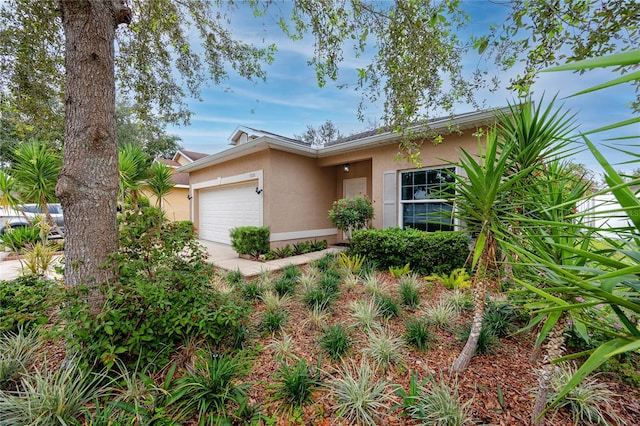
<point x="162" y="299"/>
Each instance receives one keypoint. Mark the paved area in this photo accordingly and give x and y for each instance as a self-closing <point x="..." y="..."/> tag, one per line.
<point x="221" y="255"/>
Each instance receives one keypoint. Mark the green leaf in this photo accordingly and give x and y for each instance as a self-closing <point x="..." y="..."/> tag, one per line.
<point x="625" y="58"/>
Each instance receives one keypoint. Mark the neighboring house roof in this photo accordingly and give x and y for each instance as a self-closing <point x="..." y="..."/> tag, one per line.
<point x="190" y="155"/>
<point x="247" y="140"/>
<point x="181" y="178"/>
<point x="243" y="134"/>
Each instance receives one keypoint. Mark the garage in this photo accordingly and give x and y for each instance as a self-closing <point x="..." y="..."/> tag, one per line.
<point x="226" y="207"/>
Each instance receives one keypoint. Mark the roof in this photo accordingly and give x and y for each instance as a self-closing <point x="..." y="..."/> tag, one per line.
<point x="191" y="155"/>
<point x="257" y="133"/>
<point x="167" y="162"/>
<point x="265" y="140"/>
<point x="180" y="178"/>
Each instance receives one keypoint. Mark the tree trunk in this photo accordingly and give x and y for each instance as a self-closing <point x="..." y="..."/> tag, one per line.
<point x="463" y="360"/>
<point x="553" y="349"/>
<point x="88" y="182"/>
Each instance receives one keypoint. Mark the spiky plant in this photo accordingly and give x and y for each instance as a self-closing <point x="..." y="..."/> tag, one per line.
<point x="336" y="341"/>
<point x="437" y="404"/>
<point x="361" y="397"/>
<point x="441" y="314"/>
<point x="461" y="300"/>
<point x="295" y="384"/>
<point x="316" y="319"/>
<point x="384" y="348"/>
<point x="589" y="402"/>
<point x="365" y="314"/>
<point x="17" y="352"/>
<point x="51" y="398"/>
<point x="282" y="347"/>
<point x="371" y="282"/>
<point x="409" y="290"/>
<point x="387" y="304"/>
<point x="417" y="334"/>
<point x="273" y="301"/>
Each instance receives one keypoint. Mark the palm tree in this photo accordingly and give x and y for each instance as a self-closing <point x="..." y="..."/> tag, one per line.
<point x="133" y="169"/>
<point x="35" y="168"/>
<point x="160" y="181"/>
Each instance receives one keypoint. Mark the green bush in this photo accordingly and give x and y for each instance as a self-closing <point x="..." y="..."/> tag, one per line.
<point x="162" y="298"/>
<point x="19" y="237"/>
<point x="426" y="252"/>
<point x="250" y="240"/>
<point x="25" y="302"/>
<point x="351" y="213"/>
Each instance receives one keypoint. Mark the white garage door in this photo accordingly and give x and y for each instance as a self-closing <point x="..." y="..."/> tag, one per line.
<point x="227" y="207"/>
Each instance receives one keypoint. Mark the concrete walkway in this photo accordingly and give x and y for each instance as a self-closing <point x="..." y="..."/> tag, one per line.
<point x="221" y="255"/>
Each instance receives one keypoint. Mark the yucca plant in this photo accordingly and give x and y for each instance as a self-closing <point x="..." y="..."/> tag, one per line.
<point x="160" y="181"/>
<point x="34" y="168"/>
<point x="133" y="171"/>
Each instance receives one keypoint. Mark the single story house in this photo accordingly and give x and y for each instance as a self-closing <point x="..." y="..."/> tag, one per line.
<point x="270" y="180"/>
<point x="176" y="204"/>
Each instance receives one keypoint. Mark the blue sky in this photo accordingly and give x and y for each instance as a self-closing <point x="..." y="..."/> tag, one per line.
<point x="290" y="99"/>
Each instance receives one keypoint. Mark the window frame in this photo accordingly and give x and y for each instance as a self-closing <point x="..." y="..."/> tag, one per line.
<point x="435" y="201"/>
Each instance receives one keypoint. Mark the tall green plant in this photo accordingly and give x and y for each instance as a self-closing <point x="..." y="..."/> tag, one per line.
<point x="160" y="181"/>
<point x="481" y="184"/>
<point x="612" y="277"/>
<point x="35" y="168"/>
<point x="133" y="170"/>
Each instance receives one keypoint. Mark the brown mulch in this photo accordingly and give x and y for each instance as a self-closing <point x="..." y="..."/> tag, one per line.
<point x="509" y="370"/>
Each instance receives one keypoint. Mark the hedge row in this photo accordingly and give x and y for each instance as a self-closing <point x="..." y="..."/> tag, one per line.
<point x="426" y="252"/>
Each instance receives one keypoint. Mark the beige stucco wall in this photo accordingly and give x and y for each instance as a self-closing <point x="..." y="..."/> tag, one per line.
<point x="383" y="159"/>
<point x="175" y="204"/>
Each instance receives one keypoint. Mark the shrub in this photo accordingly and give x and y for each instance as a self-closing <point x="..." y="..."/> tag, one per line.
<point x="365" y="314"/>
<point x="351" y="213"/>
<point x="427" y="252"/>
<point x="499" y="318"/>
<point x="25" y="302"/>
<point x="457" y="279"/>
<point x="162" y="298"/>
<point x="351" y="263"/>
<point x="399" y="271"/>
<point x="250" y="240"/>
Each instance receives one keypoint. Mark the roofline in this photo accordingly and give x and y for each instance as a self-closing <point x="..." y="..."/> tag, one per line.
<point x="263" y="142"/>
<point x="256" y="145"/>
